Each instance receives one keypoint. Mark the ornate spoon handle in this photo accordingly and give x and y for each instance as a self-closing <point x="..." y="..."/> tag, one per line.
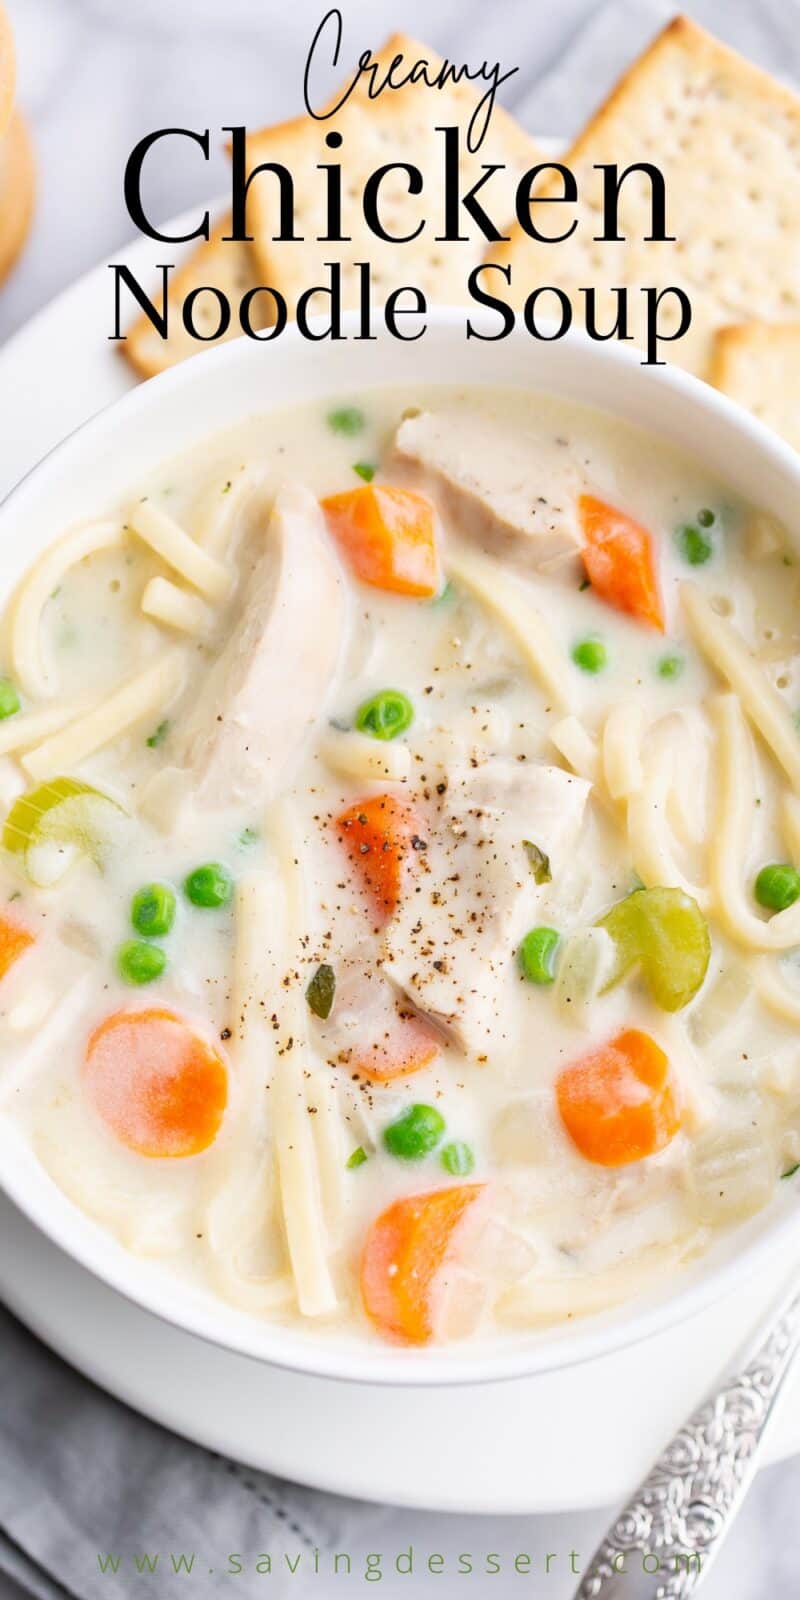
<point x="677" y="1520"/>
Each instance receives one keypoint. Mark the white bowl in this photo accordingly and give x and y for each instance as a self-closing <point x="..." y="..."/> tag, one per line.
<point x="92" y="469"/>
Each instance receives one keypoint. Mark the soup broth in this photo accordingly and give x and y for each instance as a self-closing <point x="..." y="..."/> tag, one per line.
<point x="399" y="893"/>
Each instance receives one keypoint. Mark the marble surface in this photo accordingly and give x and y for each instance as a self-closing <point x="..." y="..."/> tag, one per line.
<point x="94" y="76"/>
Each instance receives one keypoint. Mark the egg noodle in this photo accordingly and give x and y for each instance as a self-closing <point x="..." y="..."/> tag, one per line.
<point x="400" y="875"/>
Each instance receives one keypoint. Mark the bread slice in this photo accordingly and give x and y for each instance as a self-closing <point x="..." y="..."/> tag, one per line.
<point x="727" y="138"/>
<point x="17" y="191"/>
<point x="758" y="364"/>
<point x="229" y="267"/>
<point x="8" y="70"/>
<point x="398" y="125"/>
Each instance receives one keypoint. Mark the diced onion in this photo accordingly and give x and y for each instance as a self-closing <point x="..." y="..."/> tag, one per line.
<point x="585" y="967"/>
<point x="732" y="1172"/>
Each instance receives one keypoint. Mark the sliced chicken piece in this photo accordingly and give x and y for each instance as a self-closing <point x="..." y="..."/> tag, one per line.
<point x="272" y="680"/>
<point x="499" y="827"/>
<point x="513" y="490"/>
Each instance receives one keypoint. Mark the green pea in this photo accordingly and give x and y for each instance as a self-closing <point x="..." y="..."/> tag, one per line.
<point x="777" y="886"/>
<point x="415" y="1134"/>
<point x="9" y="699"/>
<point x="694" y="545"/>
<point x="671" y="666"/>
<point x="140" y="963"/>
<point x="347" y="420"/>
<point x="457" y="1158"/>
<point x="321" y="990"/>
<point x="209" y="886"/>
<point x="365" y="470"/>
<point x="590" y="655"/>
<point x="706" y="518"/>
<point x="535" y="955"/>
<point x="153" y="910"/>
<point x="385" y="715"/>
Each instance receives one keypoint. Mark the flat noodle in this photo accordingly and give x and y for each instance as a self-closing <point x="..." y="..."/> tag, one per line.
<point x="298" y="1167"/>
<point x="504" y="595"/>
<point x="329" y="1145"/>
<point x="726" y="651"/>
<point x="218" y="515"/>
<point x="790" y="821"/>
<point x="686" y="800"/>
<point x="21" y="732"/>
<point x="259" y="964"/>
<point x="649" y="834"/>
<point x="36" y="589"/>
<point x="622" y="742"/>
<point x="165" y="602"/>
<point x="775" y="993"/>
<point x="357" y="755"/>
<point x="243" y="1207"/>
<point x="150" y="692"/>
<point x="731" y="838"/>
<point x="170" y="541"/>
<point x="574" y="742"/>
<point x="238" y="1217"/>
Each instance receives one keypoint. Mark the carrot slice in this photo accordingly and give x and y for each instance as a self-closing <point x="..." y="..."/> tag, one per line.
<point x="14" y="941"/>
<point x="378" y="835"/>
<point x="620" y="562"/>
<point x="620" y="1103"/>
<point x="408" y="1044"/>
<point x="161" y="1088"/>
<point x="406" y="1247"/>
<point x="388" y="536"/>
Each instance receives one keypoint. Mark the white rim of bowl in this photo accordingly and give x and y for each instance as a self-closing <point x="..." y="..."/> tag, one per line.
<point x="605" y="1334"/>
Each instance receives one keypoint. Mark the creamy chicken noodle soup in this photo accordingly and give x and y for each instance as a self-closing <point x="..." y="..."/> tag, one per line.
<point x="401" y="863"/>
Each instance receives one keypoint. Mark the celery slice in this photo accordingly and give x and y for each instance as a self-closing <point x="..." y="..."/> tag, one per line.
<point x="663" y="932"/>
<point x="58" y="822"/>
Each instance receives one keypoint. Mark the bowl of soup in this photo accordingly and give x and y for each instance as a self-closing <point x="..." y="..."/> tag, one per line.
<point x="400" y="869"/>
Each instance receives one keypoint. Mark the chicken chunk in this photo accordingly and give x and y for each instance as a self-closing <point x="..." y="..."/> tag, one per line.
<point x="499" y="827"/>
<point x="512" y="490"/>
<point x="271" y="682"/>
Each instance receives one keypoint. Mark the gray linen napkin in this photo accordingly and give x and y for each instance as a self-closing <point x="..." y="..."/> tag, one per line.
<point x="83" y="1477"/>
<point x="80" y="1474"/>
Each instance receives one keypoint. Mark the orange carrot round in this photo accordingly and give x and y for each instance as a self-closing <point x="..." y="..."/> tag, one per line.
<point x="378" y="835"/>
<point x="406" y="1247"/>
<point x="619" y="1103"/>
<point x="388" y="537"/>
<point x="408" y="1044"/>
<point x="15" y="939"/>
<point x="620" y="562"/>
<point x="159" y="1086"/>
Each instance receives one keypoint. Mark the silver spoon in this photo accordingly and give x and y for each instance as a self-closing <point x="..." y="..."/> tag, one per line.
<point x="682" y="1512"/>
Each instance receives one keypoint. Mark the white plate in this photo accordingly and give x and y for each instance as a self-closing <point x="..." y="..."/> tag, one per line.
<point x="562" y="1440"/>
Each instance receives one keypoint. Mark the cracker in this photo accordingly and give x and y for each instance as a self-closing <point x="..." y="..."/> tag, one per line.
<point x="17" y="191"/>
<point x="727" y="139"/>
<point x="228" y="267"/>
<point x="758" y="364"/>
<point x="398" y="125"/>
